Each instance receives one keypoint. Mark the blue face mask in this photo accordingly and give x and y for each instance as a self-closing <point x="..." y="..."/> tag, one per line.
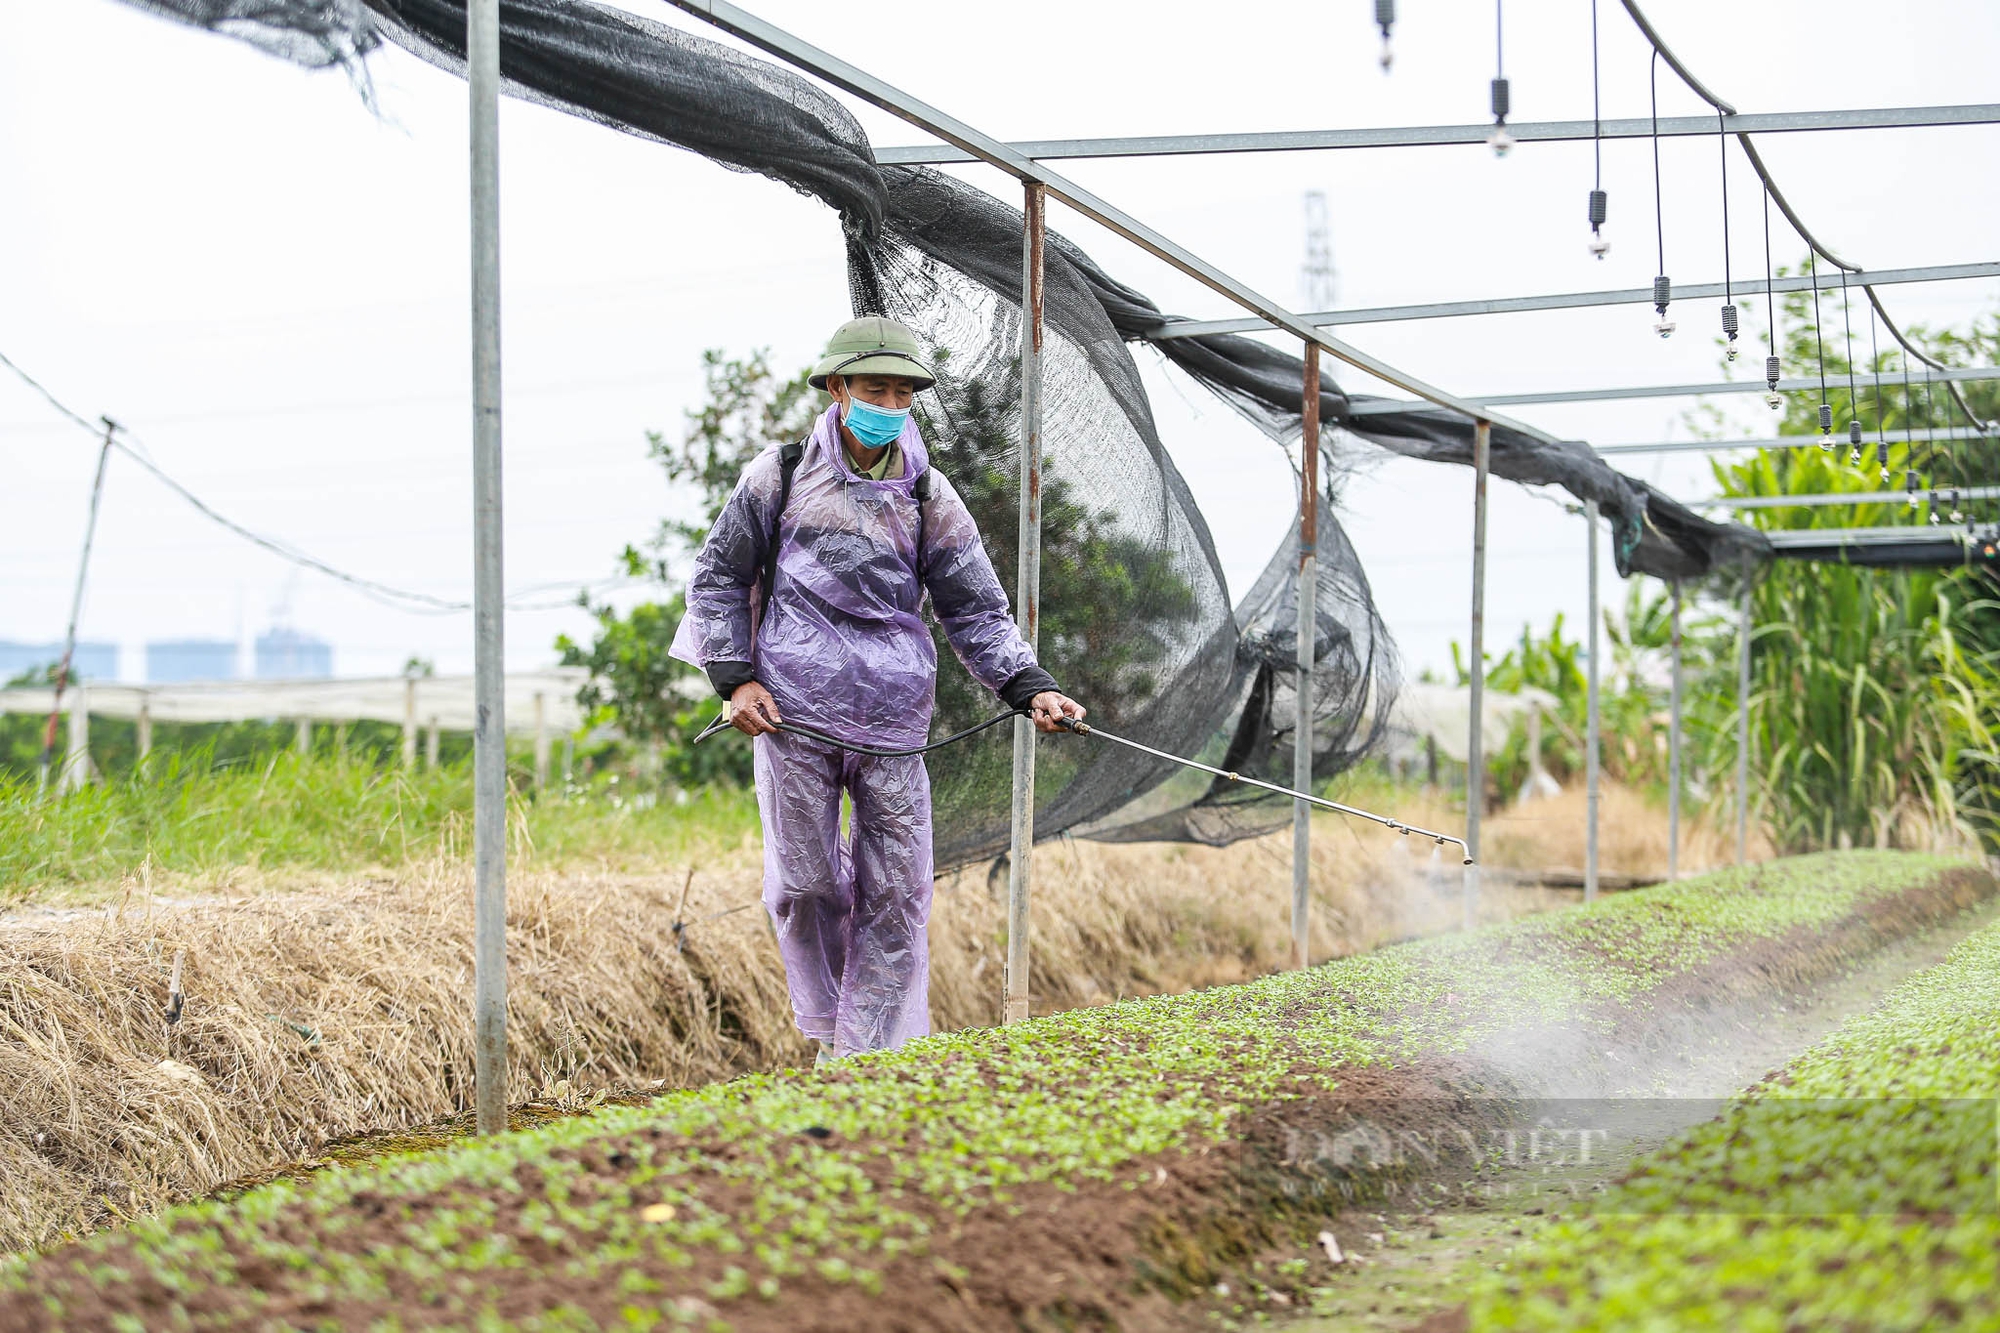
<point x="873" y="426"/>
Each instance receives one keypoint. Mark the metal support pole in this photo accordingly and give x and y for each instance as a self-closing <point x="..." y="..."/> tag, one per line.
<point x="489" y="732"/>
<point x="144" y="728"/>
<point x="1743" y="726"/>
<point x="1674" y="746"/>
<point x="1475" y="741"/>
<point x="1028" y="595"/>
<point x="75" y="608"/>
<point x="302" y="736"/>
<point x="1592" y="743"/>
<point x="432" y="742"/>
<point x="1308" y="598"/>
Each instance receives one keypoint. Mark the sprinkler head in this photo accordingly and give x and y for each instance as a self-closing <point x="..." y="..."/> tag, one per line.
<point x="1854" y="457"/>
<point x="1826" y="443"/>
<point x="1665" y="328"/>
<point x="1774" y="401"/>
<point x="1500" y="141"/>
<point x="1599" y="246"/>
<point x="1730" y="349"/>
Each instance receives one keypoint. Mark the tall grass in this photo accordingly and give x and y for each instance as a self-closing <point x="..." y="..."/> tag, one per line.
<point x="186" y="815"/>
<point x="1875" y="693"/>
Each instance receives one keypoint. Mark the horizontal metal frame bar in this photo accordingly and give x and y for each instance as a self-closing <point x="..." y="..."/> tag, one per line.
<point x="1959" y="374"/>
<point x="796" y="51"/>
<point x="1785" y="441"/>
<point x="1387" y="314"/>
<point x="1832" y="499"/>
<point x="1426" y="136"/>
<point x="1781" y="538"/>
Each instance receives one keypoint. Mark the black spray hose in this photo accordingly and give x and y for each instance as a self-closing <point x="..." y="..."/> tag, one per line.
<point x="1085" y="729"/>
<point x="721" y="723"/>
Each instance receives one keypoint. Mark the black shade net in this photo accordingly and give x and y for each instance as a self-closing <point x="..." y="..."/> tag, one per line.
<point x="1136" y="615"/>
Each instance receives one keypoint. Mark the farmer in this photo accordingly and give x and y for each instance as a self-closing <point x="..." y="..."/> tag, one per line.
<point x="804" y="608"/>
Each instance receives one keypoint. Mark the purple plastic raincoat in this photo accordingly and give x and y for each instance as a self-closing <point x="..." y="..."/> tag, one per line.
<point x="842" y="646"/>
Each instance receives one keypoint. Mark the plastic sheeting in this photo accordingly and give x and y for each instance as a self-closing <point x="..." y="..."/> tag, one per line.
<point x="447" y="700"/>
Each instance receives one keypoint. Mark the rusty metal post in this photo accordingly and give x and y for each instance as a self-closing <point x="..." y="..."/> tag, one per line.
<point x="1475" y="741"/>
<point x="1302" y="730"/>
<point x="1028" y="596"/>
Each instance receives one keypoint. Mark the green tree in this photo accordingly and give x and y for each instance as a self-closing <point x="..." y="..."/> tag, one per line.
<point x="654" y="698"/>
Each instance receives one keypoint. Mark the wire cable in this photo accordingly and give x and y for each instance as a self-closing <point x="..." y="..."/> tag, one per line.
<point x="1599" y="201"/>
<point x="1663" y="288"/>
<point x="1875" y="369"/>
<point x="402" y="599"/>
<point x="722" y="723"/>
<point x="1819" y="353"/>
<point x="1853" y="401"/>
<point x="1596" y="111"/>
<point x="1772" y="365"/>
<point x="1729" y="324"/>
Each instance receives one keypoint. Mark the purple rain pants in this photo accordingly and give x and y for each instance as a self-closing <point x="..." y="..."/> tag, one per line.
<point x="850" y="912"/>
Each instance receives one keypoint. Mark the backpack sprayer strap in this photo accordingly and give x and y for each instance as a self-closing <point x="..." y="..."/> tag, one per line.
<point x="789" y="458"/>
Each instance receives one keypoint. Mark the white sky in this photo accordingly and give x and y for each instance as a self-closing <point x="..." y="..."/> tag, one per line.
<point x="268" y="286"/>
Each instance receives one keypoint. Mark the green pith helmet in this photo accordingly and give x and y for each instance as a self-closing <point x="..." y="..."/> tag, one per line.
<point x="872" y="345"/>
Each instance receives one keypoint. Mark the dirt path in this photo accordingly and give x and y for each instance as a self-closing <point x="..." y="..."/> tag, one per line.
<point x="1404" y="1270"/>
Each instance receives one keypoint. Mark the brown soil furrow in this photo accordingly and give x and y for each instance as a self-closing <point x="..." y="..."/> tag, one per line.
<point x="1096" y="1255"/>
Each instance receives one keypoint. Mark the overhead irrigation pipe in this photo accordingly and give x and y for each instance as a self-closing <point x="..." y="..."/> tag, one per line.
<point x="1429" y="136"/>
<point x="1085" y="729"/>
<point x="1778" y="196"/>
<point x="776" y="41"/>
<point x="1507" y="305"/>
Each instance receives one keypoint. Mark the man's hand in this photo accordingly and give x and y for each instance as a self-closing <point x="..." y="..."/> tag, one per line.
<point x="1049" y="705"/>
<point x="753" y="711"/>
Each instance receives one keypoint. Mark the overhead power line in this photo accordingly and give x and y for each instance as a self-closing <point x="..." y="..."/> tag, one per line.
<point x="402" y="599"/>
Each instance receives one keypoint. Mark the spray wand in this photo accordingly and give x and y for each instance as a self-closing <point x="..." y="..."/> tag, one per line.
<point x="1085" y="729"/>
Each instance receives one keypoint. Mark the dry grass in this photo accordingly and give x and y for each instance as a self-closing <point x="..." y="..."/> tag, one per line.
<point x="1632" y="836"/>
<point x="343" y="1006"/>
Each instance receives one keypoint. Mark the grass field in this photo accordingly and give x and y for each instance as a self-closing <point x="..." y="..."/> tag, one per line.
<point x="191" y="827"/>
<point x="1080" y="1167"/>
<point x="189" y="821"/>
